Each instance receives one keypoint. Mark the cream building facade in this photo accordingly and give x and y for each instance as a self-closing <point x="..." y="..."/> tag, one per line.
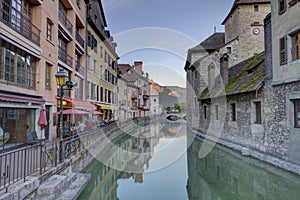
<point x="102" y="64"/>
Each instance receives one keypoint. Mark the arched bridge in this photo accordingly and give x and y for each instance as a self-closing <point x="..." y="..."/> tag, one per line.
<point x="175" y="116"/>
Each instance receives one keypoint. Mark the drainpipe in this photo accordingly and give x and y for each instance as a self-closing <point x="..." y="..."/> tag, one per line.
<point x="87" y="5"/>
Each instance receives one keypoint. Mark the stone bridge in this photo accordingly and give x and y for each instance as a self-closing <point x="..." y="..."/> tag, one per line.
<point x="172" y="116"/>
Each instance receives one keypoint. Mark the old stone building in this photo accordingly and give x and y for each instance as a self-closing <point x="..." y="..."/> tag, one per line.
<point x="283" y="97"/>
<point x="243" y="38"/>
<point x="255" y="103"/>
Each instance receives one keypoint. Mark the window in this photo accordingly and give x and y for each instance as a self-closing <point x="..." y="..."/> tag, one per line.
<point x="255" y="8"/>
<point x="283" y="50"/>
<point x="48" y="76"/>
<point x="281" y="6"/>
<point x="101" y="94"/>
<point x="217" y="112"/>
<point x="17" y="66"/>
<point x="257" y="112"/>
<point x="297" y="113"/>
<point x="233" y="112"/>
<point x="101" y="71"/>
<point x="89" y="38"/>
<point x="49" y="30"/>
<point x="228" y="49"/>
<point x="101" y="51"/>
<point x="295" y="45"/>
<point x="205" y="112"/>
<point x="95" y="66"/>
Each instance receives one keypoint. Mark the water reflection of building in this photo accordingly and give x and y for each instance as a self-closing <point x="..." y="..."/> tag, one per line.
<point x="225" y="174"/>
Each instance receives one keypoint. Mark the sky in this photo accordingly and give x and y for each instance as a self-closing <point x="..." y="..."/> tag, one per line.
<point x="159" y="32"/>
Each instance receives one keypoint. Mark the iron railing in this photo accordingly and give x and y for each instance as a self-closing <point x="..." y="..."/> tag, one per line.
<point x="18" y="22"/>
<point x="79" y="39"/>
<point x="41" y="157"/>
<point x="64" y="21"/>
<point x="65" y="57"/>
<point x="79" y="68"/>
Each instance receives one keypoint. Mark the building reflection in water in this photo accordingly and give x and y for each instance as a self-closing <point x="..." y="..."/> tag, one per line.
<point x="225" y="174"/>
<point x="128" y="157"/>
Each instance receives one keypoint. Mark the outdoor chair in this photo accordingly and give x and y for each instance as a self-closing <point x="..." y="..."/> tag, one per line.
<point x="32" y="138"/>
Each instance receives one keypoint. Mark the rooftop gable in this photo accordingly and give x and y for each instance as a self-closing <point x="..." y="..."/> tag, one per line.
<point x="243" y="2"/>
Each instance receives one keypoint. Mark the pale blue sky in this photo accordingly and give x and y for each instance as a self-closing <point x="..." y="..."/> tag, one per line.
<point x="159" y="32"/>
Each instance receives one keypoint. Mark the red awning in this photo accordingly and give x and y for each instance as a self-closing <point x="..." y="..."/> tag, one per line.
<point x="21" y="99"/>
<point x="72" y="111"/>
<point x="81" y="104"/>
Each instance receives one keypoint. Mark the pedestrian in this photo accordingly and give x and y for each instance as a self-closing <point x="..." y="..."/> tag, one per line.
<point x="81" y="126"/>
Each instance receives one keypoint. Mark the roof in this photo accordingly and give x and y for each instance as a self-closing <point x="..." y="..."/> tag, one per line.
<point x="244" y="77"/>
<point x="243" y="2"/>
<point x="123" y="68"/>
<point x="211" y="43"/>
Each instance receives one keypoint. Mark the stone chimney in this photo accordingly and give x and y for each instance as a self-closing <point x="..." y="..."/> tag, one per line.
<point x="224" y="68"/>
<point x="268" y="47"/>
<point x="211" y="76"/>
<point x="147" y="75"/>
<point x="138" y="67"/>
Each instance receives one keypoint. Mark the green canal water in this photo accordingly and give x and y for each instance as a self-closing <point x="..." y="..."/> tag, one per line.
<point x="160" y="161"/>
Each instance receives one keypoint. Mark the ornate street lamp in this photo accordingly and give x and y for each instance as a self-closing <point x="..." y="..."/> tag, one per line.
<point x="61" y="82"/>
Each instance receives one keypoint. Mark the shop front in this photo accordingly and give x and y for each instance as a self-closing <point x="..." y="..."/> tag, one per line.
<point x="19" y="114"/>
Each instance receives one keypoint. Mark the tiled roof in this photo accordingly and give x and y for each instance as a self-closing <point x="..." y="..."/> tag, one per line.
<point x="241" y="2"/>
<point x="212" y="43"/>
<point x="246" y="76"/>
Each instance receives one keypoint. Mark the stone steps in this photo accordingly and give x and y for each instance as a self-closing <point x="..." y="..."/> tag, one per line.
<point x="67" y="186"/>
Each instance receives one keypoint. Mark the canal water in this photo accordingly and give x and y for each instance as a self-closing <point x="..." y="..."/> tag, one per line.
<point x="161" y="161"/>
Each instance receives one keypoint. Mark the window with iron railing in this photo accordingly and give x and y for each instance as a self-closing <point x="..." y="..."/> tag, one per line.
<point x="17" y="15"/>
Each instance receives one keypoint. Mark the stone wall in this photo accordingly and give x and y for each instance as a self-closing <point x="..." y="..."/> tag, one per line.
<point x="282" y="138"/>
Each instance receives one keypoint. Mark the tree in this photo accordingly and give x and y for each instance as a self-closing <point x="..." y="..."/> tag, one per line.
<point x="183" y="106"/>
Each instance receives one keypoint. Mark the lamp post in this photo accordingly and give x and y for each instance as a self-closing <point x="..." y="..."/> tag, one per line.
<point x="61" y="82"/>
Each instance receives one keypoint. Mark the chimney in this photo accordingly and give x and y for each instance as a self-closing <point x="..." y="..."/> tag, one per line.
<point x="211" y="76"/>
<point x="224" y="68"/>
<point x="138" y="67"/>
<point x="268" y="47"/>
<point x="147" y="76"/>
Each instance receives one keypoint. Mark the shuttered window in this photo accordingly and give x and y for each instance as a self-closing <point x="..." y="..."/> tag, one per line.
<point x="297" y="113"/>
<point x="283" y="51"/>
<point x="295" y="45"/>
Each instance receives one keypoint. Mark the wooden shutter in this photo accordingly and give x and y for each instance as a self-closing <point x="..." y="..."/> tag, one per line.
<point x="283" y="50"/>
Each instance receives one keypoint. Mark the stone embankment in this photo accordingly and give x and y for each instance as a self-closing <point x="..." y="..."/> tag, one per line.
<point x="246" y="151"/>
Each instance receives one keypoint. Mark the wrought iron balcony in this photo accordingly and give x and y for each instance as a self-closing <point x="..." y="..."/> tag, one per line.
<point x="63" y="56"/>
<point x="79" y="39"/>
<point x="65" y="22"/>
<point x="79" y="68"/>
<point x="18" y="22"/>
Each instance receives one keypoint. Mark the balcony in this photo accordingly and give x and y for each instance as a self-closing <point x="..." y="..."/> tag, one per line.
<point x="18" y="22"/>
<point x="65" y="22"/>
<point x="146" y="97"/>
<point x="64" y="57"/>
<point x="79" y="39"/>
<point x="79" y="68"/>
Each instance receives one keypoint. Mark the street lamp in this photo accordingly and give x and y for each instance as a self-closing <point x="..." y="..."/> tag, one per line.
<point x="61" y="82"/>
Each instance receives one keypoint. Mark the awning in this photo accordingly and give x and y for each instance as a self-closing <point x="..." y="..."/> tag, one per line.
<point x="72" y="111"/>
<point x="21" y="99"/>
<point x="80" y="104"/>
<point x="106" y="107"/>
